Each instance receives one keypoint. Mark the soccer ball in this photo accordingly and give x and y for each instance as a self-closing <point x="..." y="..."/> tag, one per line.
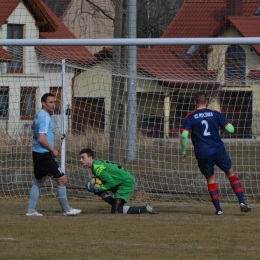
<point x="96" y="182"/>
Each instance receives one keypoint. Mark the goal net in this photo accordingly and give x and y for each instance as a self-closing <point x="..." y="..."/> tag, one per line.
<point x="127" y="103"/>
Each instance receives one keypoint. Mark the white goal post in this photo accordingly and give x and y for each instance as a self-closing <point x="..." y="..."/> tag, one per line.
<point x="92" y="99"/>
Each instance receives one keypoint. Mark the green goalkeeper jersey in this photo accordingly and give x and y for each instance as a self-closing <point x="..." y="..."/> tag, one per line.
<point x="111" y="174"/>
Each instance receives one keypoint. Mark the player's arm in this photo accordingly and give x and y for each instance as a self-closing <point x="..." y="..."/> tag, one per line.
<point x="43" y="129"/>
<point x="106" y="178"/>
<point x="184" y="142"/>
<point x="229" y="128"/>
<point x="43" y="141"/>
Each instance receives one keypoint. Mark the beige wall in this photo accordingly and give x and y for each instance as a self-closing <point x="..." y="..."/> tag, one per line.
<point x="96" y="82"/>
<point x="216" y="59"/>
<point x="85" y="22"/>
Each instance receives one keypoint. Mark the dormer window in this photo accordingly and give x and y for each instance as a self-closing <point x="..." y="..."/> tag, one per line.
<point x="191" y="49"/>
<point x="15" y="31"/>
<point x="257" y="12"/>
<point x="235" y="63"/>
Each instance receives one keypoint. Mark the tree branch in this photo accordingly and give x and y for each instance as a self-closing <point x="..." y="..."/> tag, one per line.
<point x="100" y="10"/>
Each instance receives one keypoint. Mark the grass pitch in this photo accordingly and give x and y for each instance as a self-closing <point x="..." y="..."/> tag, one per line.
<point x="179" y="231"/>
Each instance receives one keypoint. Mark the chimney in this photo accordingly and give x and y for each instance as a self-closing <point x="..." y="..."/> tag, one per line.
<point x="234" y="7"/>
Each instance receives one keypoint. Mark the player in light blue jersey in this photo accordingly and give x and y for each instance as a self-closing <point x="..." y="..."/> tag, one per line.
<point x="209" y="149"/>
<point x="43" y="159"/>
<point x="42" y="124"/>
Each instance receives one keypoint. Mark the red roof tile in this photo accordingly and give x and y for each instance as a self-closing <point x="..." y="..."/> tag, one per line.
<point x="7" y="8"/>
<point x="200" y="18"/>
<point x="73" y="54"/>
<point x="165" y="65"/>
<point x="4" y="56"/>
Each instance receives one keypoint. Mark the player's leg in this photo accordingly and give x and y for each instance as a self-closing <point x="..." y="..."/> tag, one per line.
<point x="53" y="170"/>
<point x="206" y="166"/>
<point x="223" y="161"/>
<point x="106" y="196"/>
<point x="117" y="206"/>
<point x="34" y="195"/>
<point x="237" y="188"/>
<point x="122" y="195"/>
<point x="62" y="197"/>
<point x="62" y="192"/>
<point x="137" y="209"/>
<point x="214" y="194"/>
<point x="120" y="207"/>
<point x="35" y="189"/>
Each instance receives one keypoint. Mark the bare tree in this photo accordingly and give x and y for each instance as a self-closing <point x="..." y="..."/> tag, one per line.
<point x="153" y="16"/>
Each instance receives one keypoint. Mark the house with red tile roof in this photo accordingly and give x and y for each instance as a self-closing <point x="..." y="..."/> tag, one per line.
<point x="26" y="73"/>
<point x="230" y="73"/>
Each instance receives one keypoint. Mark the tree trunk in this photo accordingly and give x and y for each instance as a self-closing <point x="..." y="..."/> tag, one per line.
<point x="116" y="137"/>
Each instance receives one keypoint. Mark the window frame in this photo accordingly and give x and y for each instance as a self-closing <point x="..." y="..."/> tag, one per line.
<point x="23" y="105"/>
<point x="257" y="12"/>
<point x="5" y="89"/>
<point x="11" y="50"/>
<point x="235" y="64"/>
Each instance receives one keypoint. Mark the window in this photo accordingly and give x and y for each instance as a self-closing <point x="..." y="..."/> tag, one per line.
<point x="4" y="102"/>
<point x="88" y="112"/>
<point x="235" y="63"/>
<point x="191" y="49"/>
<point x="257" y="12"/>
<point x="15" y="31"/>
<point x="27" y="103"/>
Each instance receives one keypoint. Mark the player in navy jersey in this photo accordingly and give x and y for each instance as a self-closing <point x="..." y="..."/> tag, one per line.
<point x="209" y="149"/>
<point x="44" y="163"/>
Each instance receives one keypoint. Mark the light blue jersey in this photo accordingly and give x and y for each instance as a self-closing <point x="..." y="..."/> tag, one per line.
<point x="42" y="123"/>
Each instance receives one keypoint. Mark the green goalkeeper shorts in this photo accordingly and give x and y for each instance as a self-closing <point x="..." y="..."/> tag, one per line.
<point x="124" y="190"/>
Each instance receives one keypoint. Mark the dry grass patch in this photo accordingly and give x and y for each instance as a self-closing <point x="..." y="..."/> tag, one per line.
<point x="179" y="231"/>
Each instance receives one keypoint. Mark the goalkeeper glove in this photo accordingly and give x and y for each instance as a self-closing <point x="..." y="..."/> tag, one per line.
<point x="91" y="188"/>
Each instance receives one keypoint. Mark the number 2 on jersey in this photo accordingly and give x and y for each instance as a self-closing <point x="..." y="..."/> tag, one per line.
<point x="205" y="133"/>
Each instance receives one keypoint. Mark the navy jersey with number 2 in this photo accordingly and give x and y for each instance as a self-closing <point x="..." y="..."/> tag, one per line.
<point x="204" y="124"/>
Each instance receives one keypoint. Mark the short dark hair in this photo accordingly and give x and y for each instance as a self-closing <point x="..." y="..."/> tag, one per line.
<point x="88" y="151"/>
<point x="201" y="97"/>
<point x="45" y="96"/>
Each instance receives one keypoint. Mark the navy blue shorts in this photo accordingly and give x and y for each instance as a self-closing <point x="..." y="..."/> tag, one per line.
<point x="221" y="159"/>
<point x="45" y="165"/>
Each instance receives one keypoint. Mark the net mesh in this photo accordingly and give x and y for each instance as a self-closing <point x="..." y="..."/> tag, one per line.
<point x="97" y="94"/>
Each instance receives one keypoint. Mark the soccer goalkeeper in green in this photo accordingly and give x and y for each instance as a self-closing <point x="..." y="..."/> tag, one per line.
<point x="116" y="179"/>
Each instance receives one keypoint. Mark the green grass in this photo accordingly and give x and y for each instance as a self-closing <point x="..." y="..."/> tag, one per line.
<point x="179" y="231"/>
